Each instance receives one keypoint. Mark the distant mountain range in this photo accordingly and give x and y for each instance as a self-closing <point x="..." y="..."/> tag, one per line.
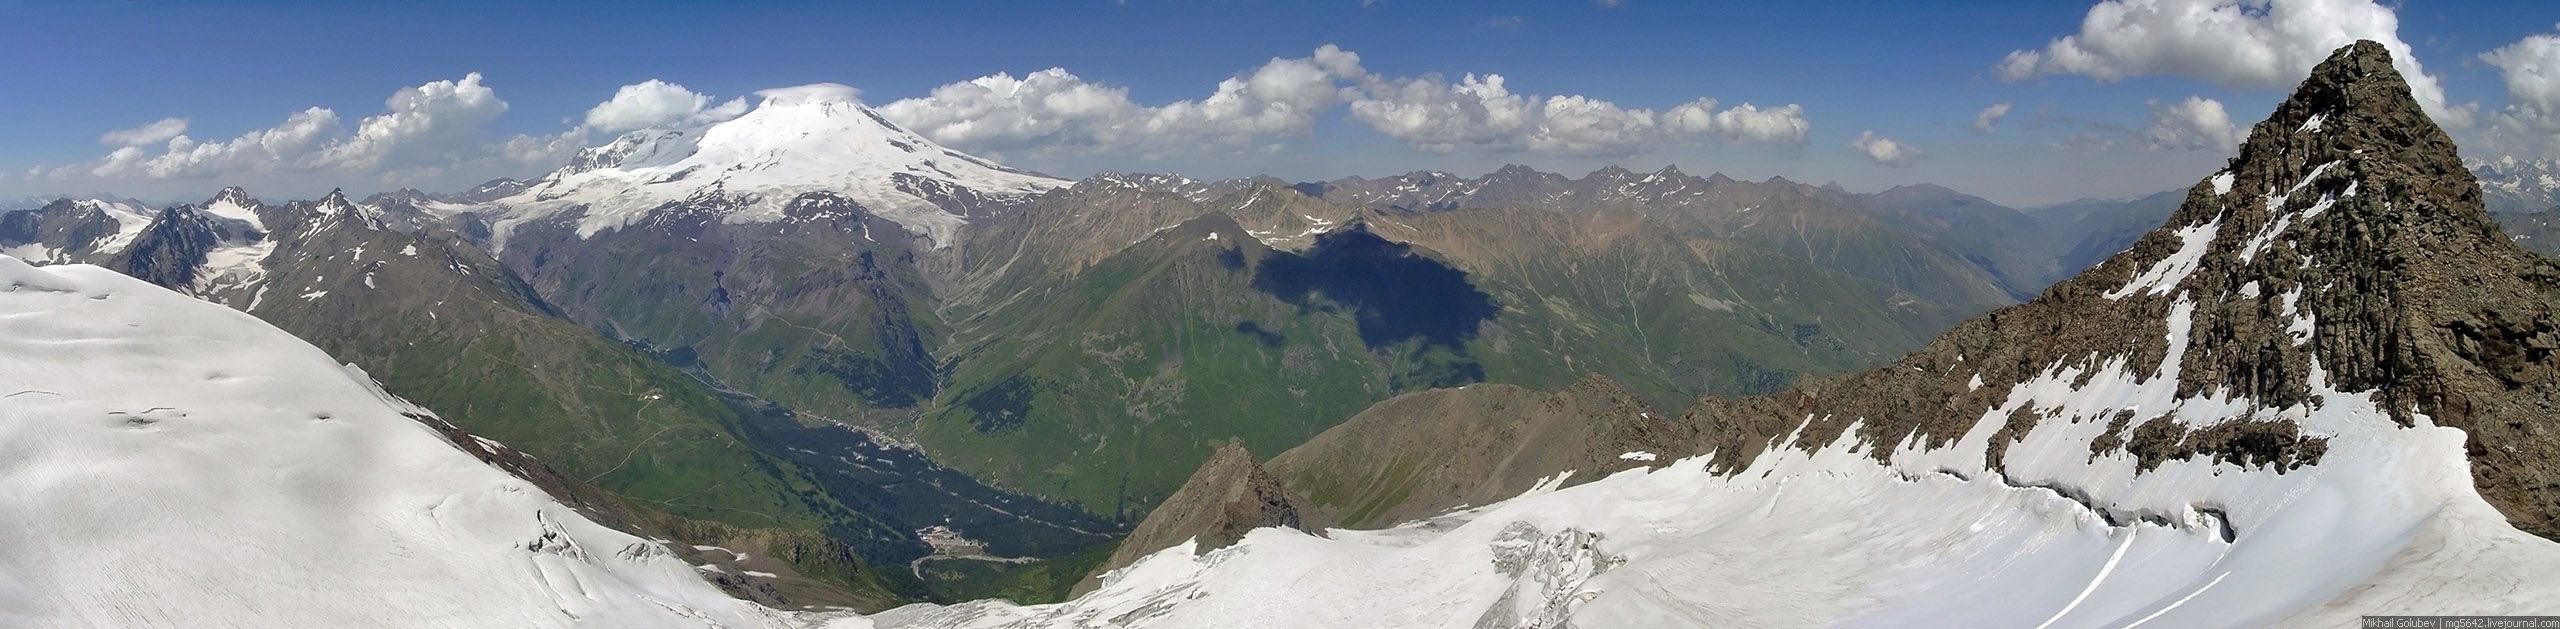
<point x="814" y="333"/>
<point x="2316" y="392"/>
<point x="675" y="315"/>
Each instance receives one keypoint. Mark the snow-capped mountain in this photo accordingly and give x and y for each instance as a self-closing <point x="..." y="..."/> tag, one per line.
<point x="2320" y="391"/>
<point x="170" y="462"/>
<point x="799" y="140"/>
<point x="2514" y="185"/>
<point x="72" y="230"/>
<point x="1196" y="190"/>
<point x="224" y="250"/>
<point x="208" y="250"/>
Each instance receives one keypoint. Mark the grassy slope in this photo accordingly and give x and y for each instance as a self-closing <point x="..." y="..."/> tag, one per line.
<point x="1109" y="388"/>
<point x="1672" y="317"/>
<point x="445" y="328"/>
<point x="818" y="317"/>
<point x="1109" y="392"/>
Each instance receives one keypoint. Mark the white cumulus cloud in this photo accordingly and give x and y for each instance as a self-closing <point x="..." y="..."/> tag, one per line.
<point x="1985" y="122"/>
<point x="1434" y="115"/>
<point x="1784" y="124"/>
<point x="2531" y="67"/>
<point x="153" y="132"/>
<point x="426" y="128"/>
<point x="2194" y="124"/>
<point x="1000" y="113"/>
<point x="1885" y="151"/>
<point x="1056" y="110"/>
<point x="429" y="126"/>
<point x="655" y="103"/>
<point x="2239" y="44"/>
<point x="1483" y="114"/>
<point x="292" y="145"/>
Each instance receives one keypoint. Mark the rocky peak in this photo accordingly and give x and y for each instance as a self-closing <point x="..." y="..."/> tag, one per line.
<point x="2343" y="257"/>
<point x="1609" y="174"/>
<point x="233" y="195"/>
<point x="2342" y="199"/>
<point x="335" y="203"/>
<point x="173" y="249"/>
<point x="331" y="209"/>
<point x="1229" y="496"/>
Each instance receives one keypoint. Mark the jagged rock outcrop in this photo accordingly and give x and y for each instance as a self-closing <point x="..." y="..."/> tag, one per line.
<point x="172" y="249"/>
<point x="2345" y="248"/>
<point x="1229" y="496"/>
<point x="1427" y="452"/>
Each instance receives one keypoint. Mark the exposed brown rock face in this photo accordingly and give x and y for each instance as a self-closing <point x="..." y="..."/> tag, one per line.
<point x="2346" y="237"/>
<point x="1229" y="496"/>
<point x="1424" y="453"/>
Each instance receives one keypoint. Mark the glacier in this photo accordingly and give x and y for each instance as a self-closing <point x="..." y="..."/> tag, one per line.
<point x="797" y="140"/>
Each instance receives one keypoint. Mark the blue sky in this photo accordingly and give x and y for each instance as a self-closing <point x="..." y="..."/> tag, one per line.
<point x="1869" y="95"/>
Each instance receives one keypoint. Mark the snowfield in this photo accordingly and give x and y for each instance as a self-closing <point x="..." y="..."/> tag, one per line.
<point x="169" y="462"/>
<point x="2386" y="524"/>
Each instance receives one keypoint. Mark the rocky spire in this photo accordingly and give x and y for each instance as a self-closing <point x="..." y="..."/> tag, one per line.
<point x="2344" y="249"/>
<point x="335" y="203"/>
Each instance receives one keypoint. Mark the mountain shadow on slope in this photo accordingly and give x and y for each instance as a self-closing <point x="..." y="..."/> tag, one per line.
<point x="1395" y="294"/>
<point x="1003" y="407"/>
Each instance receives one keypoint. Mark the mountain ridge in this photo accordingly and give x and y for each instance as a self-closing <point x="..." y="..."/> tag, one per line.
<point x="2315" y="393"/>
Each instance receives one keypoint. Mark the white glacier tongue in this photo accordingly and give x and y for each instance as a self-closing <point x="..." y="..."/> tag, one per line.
<point x="813" y="138"/>
<point x="166" y="461"/>
<point x="130" y="220"/>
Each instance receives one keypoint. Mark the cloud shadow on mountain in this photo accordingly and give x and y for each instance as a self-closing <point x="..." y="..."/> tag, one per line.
<point x="1395" y="294"/>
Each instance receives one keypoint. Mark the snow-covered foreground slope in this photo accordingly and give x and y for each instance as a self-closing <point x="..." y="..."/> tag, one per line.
<point x="2387" y="523"/>
<point x="166" y="461"/>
